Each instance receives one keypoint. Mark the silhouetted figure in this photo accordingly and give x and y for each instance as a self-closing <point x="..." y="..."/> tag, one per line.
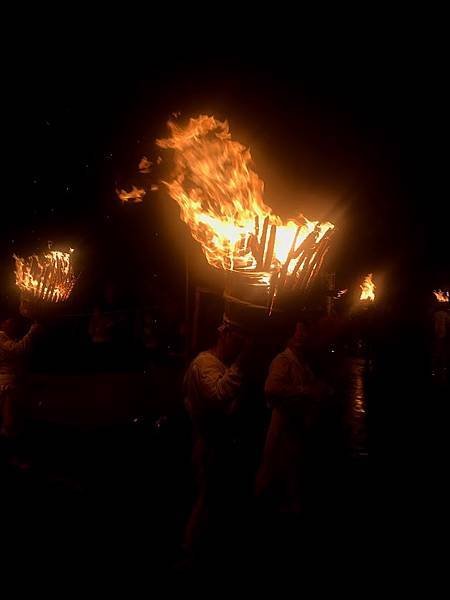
<point x="13" y="353"/>
<point x="106" y="331"/>
<point x="441" y="343"/>
<point x="213" y="383"/>
<point x="293" y="393"/>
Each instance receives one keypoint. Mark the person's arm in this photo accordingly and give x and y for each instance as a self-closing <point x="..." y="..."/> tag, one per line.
<point x="219" y="387"/>
<point x="24" y="345"/>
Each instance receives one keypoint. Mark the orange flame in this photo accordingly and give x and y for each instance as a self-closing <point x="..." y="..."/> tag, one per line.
<point x="134" y="196"/>
<point x="221" y="198"/>
<point x="48" y="277"/>
<point x="441" y="296"/>
<point x="368" y="288"/>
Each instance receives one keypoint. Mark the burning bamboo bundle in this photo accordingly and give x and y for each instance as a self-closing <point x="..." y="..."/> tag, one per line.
<point x="296" y="274"/>
<point x="221" y="199"/>
<point x="367" y="289"/>
<point x="46" y="278"/>
<point x="442" y="296"/>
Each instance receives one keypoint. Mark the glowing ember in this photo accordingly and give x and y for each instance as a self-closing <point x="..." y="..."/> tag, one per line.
<point x="441" y="296"/>
<point x="134" y="196"/>
<point x="49" y="277"/>
<point x="144" y="165"/>
<point x="221" y="198"/>
<point x="367" y="289"/>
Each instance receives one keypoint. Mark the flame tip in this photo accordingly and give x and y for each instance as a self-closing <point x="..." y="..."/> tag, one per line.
<point x="221" y="198"/>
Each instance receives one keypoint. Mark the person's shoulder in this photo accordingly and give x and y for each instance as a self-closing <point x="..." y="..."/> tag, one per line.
<point x="204" y="357"/>
<point x="205" y="361"/>
<point x="282" y="357"/>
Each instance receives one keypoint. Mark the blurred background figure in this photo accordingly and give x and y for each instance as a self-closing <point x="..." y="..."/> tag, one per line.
<point x="14" y="351"/>
<point x="107" y="330"/>
<point x="441" y="342"/>
<point x="294" y="394"/>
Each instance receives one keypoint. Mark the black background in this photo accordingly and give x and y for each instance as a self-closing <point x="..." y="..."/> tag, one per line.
<point x="350" y="129"/>
<point x="353" y="125"/>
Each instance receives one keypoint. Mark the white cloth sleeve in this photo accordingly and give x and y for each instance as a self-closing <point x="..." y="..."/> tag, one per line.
<point x="21" y="347"/>
<point x="221" y="388"/>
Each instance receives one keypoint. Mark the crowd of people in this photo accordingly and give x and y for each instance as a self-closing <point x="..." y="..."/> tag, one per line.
<point x="214" y="388"/>
<point x="14" y="350"/>
<point x="292" y="391"/>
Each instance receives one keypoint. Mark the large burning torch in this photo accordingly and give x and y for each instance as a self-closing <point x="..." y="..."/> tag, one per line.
<point x="221" y="199"/>
<point x="48" y="277"/>
<point x="367" y="289"/>
<point x="442" y="296"/>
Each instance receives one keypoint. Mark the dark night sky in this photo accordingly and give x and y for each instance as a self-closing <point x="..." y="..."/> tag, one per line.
<point x="356" y="137"/>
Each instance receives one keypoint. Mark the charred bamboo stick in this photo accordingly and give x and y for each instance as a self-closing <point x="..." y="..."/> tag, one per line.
<point x="240" y="246"/>
<point x="317" y="258"/>
<point x="309" y="272"/>
<point x="270" y="248"/>
<point x="53" y="280"/>
<point x="52" y="266"/>
<point x="262" y="244"/>
<point x="38" y="278"/>
<point x="58" y="274"/>
<point x="253" y="247"/>
<point x="39" y="274"/>
<point x="44" y="280"/>
<point x="296" y="269"/>
<point x="317" y="266"/>
<point x="309" y="241"/>
<point x="49" y="281"/>
<point x="273" y="291"/>
<point x="314" y="258"/>
<point x="303" y="254"/>
<point x="309" y="263"/>
<point x="285" y="267"/>
<point x="252" y="242"/>
<point x="305" y="262"/>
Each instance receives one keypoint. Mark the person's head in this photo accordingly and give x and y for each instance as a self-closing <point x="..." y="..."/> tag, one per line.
<point x="300" y="337"/>
<point x="230" y="340"/>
